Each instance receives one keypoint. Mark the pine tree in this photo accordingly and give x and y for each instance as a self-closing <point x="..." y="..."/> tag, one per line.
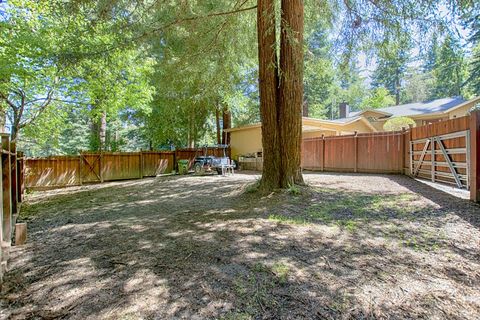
<point x="392" y="62"/>
<point x="449" y="70"/>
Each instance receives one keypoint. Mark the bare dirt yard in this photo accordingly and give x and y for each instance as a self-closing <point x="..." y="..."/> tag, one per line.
<point x="345" y="247"/>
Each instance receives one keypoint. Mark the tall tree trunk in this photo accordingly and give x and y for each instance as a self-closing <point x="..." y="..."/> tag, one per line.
<point x="281" y="92"/>
<point x="291" y="91"/>
<point x="268" y="86"/>
<point x="397" y="87"/>
<point x="227" y="124"/>
<point x="217" y="122"/>
<point x="3" y="117"/>
<point x="102" y="131"/>
<point x="191" y="131"/>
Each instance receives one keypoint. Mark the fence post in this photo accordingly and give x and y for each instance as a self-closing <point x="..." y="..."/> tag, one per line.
<point x="355" y="141"/>
<point x="13" y="177"/>
<point x="323" y="153"/>
<point x="432" y="160"/>
<point x="475" y="156"/>
<point x="141" y="164"/>
<point x="175" y="160"/>
<point x="6" y="193"/>
<point x="402" y="151"/>
<point x="20" y="175"/>
<point x="100" y="166"/>
<point x="80" y="169"/>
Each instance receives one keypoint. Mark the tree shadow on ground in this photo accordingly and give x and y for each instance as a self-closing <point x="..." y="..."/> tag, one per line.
<point x="202" y="248"/>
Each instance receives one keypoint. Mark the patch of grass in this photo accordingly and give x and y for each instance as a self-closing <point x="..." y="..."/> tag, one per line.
<point x="285" y="219"/>
<point x="253" y="188"/>
<point x="349" y="225"/>
<point x="294" y="189"/>
<point x="281" y="271"/>
<point x="237" y="316"/>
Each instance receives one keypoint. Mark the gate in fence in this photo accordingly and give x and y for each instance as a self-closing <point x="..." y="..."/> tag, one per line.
<point x="444" y="157"/>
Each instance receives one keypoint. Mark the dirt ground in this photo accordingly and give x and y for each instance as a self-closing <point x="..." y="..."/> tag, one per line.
<point x="346" y="247"/>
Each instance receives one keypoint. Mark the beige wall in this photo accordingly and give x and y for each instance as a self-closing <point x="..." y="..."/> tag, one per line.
<point x="245" y="141"/>
<point x="460" y="112"/>
<point x="318" y="134"/>
<point x="359" y="126"/>
<point x="249" y="140"/>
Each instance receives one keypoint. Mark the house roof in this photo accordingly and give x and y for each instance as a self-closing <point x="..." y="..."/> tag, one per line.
<point x="420" y="108"/>
<point x="313" y="124"/>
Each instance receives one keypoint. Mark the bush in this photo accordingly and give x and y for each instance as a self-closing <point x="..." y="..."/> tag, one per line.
<point x="397" y="124"/>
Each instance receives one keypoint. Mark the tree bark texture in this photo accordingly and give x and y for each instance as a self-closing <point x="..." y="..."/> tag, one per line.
<point x="281" y="92"/>
<point x="217" y="123"/>
<point x="291" y="91"/>
<point x="227" y="124"/>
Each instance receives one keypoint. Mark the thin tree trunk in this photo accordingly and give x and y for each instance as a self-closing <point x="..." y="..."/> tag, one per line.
<point x="3" y="117"/>
<point x="227" y="124"/>
<point x="268" y="86"/>
<point x="397" y="87"/>
<point x="102" y="132"/>
<point x="291" y="91"/>
<point x="217" y="122"/>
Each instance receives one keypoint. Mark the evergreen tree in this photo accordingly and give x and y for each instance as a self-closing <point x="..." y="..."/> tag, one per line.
<point x="449" y="71"/>
<point x="392" y="60"/>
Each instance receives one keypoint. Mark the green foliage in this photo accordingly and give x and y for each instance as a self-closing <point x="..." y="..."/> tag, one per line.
<point x="398" y="123"/>
<point x="378" y="98"/>
<point x="449" y="70"/>
<point x="392" y="62"/>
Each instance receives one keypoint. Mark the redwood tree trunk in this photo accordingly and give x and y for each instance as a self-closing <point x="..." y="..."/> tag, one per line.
<point x="291" y="91"/>
<point x="268" y="87"/>
<point x="281" y="92"/>
<point x="227" y="124"/>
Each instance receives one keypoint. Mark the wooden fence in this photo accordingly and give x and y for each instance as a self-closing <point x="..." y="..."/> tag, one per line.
<point x="440" y="152"/>
<point x="12" y="189"/>
<point x="375" y="153"/>
<point x="446" y="151"/>
<point x="91" y="167"/>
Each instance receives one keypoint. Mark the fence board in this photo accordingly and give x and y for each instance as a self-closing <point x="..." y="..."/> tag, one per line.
<point x="120" y="166"/>
<point x="376" y="153"/>
<point x="58" y="171"/>
<point x="155" y="163"/>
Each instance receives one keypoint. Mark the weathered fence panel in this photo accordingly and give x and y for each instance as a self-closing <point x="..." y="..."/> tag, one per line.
<point x="155" y="163"/>
<point x="376" y="153"/>
<point x="121" y="166"/>
<point x="439" y="151"/>
<point x="93" y="167"/>
<point x="59" y="171"/>
<point x="11" y="181"/>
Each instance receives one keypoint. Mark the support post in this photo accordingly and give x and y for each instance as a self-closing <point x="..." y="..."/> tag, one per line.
<point x="80" y="169"/>
<point x="20" y="234"/>
<point x="355" y="141"/>
<point x="20" y="176"/>
<point x="475" y="156"/>
<point x="13" y="177"/>
<point x="402" y="151"/>
<point x="141" y="163"/>
<point x="432" y="160"/>
<point x="323" y="152"/>
<point x="6" y="193"/>
<point x="100" y="166"/>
